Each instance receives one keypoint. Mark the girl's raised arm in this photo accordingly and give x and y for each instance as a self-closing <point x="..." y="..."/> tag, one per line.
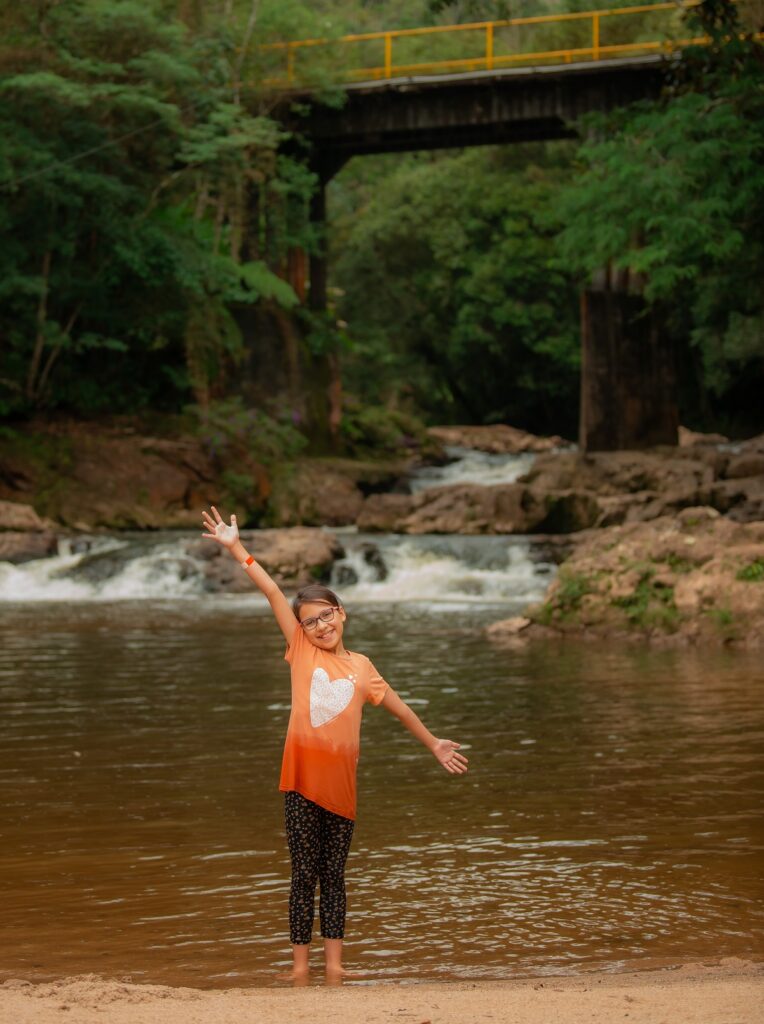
<point x="228" y="537"/>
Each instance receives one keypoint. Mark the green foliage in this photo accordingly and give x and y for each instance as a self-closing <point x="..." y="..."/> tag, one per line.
<point x="126" y="169"/>
<point x="374" y="429"/>
<point x="678" y="564"/>
<point x="148" y="205"/>
<point x="450" y="289"/>
<point x="724" y="621"/>
<point x="238" y="490"/>
<point x="722" y="616"/>
<point x="651" y="603"/>
<point x="49" y="458"/>
<point x="249" y="447"/>
<point x="228" y="428"/>
<point x="472" y="10"/>
<point x="565" y="602"/>
<point x="672" y="191"/>
<point x="671" y="195"/>
<point x="573" y="587"/>
<point x="753" y="572"/>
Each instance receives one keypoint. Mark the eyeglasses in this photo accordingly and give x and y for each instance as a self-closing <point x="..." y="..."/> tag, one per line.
<point x="325" y="616"/>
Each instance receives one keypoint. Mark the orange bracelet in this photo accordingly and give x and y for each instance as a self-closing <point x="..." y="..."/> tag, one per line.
<point x="247" y="562"/>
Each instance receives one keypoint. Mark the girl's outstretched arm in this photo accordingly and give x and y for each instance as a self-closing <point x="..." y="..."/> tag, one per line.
<point x="228" y="537"/>
<point x="445" y="751"/>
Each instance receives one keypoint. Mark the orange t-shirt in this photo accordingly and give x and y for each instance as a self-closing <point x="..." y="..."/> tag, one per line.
<point x="324" y="732"/>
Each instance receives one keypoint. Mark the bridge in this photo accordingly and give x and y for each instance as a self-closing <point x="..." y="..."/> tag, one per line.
<point x="450" y="86"/>
<point x="515" y="80"/>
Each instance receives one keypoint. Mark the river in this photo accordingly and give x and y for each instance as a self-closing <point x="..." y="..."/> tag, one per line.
<point x="611" y="816"/>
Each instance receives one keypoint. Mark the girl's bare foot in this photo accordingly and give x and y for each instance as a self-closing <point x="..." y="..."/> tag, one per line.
<point x="335" y="972"/>
<point x="296" y="976"/>
<point x="336" y="975"/>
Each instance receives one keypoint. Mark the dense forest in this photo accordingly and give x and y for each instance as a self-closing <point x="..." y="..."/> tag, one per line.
<point x="150" y="201"/>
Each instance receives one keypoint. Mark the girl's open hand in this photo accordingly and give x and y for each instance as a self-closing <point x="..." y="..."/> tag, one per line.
<point x="217" y="529"/>
<point x="446" y="751"/>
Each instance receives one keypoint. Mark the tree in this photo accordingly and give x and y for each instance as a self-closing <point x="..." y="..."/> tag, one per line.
<point x="673" y="191"/>
<point x="451" y="293"/>
<point x="126" y="168"/>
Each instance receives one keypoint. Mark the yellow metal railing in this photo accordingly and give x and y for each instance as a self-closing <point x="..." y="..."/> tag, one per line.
<point x="589" y="46"/>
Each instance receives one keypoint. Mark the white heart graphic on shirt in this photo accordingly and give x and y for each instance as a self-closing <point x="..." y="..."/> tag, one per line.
<point x="328" y="697"/>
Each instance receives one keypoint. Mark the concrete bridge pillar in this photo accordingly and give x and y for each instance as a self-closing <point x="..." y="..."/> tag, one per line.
<point x="628" y="376"/>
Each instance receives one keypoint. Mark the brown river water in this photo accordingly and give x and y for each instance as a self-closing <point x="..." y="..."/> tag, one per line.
<point x="611" y="816"/>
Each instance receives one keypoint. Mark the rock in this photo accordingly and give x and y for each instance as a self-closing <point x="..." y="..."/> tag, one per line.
<point x="330" y="491"/>
<point x="15" y="516"/>
<point x="742" y="499"/>
<point x="694" y="577"/>
<point x="498" y="439"/>
<point x="565" y="511"/>
<point x="745" y="465"/>
<point x="372" y="556"/>
<point x="508" y="627"/>
<point x="474" y="509"/>
<point x="18" y="547"/>
<point x="465" y="508"/>
<point x="313" y="495"/>
<point x="385" y="512"/>
<point x="641" y="486"/>
<point x="345" y="576"/>
<point x="753" y="444"/>
<point x="508" y="633"/>
<point x="24" y="536"/>
<point x="691" y="438"/>
<point x="617" y="473"/>
<point x="111" y="477"/>
<point x="294" y="557"/>
<point x="98" y="567"/>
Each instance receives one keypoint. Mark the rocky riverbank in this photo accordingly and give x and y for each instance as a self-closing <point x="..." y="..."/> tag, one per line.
<point x="694" y="577"/>
<point x="568" y="491"/>
<point x="114" y="475"/>
<point x="667" y="544"/>
<point x="117" y="477"/>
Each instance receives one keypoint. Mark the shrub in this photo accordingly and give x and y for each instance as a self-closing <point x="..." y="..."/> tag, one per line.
<point x="753" y="572"/>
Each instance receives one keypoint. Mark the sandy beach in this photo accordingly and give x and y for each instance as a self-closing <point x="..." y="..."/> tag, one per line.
<point x="728" y="991"/>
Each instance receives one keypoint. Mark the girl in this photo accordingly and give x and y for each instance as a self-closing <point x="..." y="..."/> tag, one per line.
<point x="318" y="773"/>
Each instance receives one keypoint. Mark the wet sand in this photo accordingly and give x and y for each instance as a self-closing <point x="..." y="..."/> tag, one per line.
<point x="728" y="991"/>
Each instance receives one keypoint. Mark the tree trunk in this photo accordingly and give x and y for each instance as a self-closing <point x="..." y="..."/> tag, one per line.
<point x="56" y="352"/>
<point x="42" y="316"/>
<point x="318" y="378"/>
<point x="317" y="263"/>
<point x="248" y="32"/>
<point x="628" y="379"/>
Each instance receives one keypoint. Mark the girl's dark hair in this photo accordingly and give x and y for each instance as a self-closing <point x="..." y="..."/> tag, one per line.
<point x="314" y="592"/>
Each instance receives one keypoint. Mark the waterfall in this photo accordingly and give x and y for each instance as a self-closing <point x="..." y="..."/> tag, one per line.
<point x="470" y="466"/>
<point x="433" y="569"/>
<point x="135" y="566"/>
<point x="375" y="567"/>
<point x="441" y="569"/>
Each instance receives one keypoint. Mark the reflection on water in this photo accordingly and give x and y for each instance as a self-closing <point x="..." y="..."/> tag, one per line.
<point x="611" y="814"/>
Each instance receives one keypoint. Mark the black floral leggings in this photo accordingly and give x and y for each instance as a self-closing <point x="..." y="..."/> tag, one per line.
<point x="319" y="842"/>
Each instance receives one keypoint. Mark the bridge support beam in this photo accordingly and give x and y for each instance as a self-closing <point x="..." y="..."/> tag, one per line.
<point x="628" y="377"/>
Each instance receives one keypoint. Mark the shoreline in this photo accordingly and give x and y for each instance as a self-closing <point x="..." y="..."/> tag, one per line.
<point x="725" y="991"/>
